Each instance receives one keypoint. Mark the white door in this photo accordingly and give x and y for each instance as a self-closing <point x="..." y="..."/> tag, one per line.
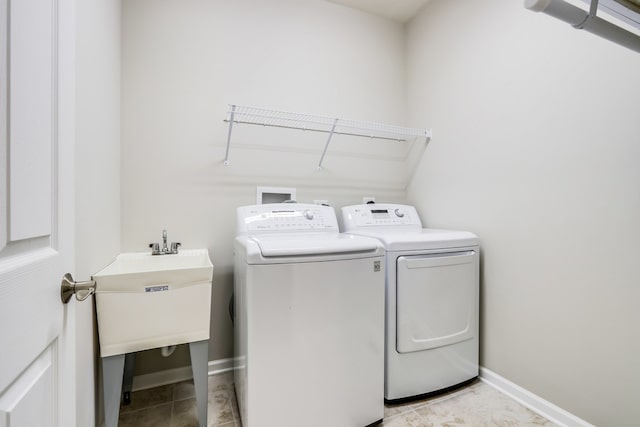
<point x="36" y="212"/>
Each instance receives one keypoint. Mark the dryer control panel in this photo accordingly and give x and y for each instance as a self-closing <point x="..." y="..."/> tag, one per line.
<point x="286" y="217"/>
<point x="380" y="215"/>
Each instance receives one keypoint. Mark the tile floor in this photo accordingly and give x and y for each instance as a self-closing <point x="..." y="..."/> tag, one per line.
<point x="476" y="405"/>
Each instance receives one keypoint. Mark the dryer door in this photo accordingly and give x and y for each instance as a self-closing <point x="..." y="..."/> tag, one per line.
<point x="437" y="300"/>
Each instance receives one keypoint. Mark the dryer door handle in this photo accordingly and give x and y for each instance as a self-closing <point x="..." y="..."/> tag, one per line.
<point x="439" y="260"/>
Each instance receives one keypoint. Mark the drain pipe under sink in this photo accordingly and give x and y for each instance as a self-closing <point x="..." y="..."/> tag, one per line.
<point x="167" y="351"/>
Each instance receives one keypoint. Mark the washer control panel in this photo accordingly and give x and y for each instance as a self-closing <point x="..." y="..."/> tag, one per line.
<point x="286" y="217"/>
<point x="380" y="215"/>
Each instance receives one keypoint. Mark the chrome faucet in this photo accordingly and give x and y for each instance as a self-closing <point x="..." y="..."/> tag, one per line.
<point x="164" y="241"/>
<point x="155" y="247"/>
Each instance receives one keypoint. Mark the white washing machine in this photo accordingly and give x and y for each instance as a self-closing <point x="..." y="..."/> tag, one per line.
<point x="432" y="300"/>
<point x="308" y="321"/>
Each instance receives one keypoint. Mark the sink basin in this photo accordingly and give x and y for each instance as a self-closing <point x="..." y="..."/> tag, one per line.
<point x="147" y="301"/>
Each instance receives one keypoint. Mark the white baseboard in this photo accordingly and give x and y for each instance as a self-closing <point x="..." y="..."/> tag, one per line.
<point x="170" y="376"/>
<point x="532" y="401"/>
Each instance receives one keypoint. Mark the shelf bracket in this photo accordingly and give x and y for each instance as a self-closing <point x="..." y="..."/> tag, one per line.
<point x="593" y="10"/>
<point x="226" y="154"/>
<point x="324" y="152"/>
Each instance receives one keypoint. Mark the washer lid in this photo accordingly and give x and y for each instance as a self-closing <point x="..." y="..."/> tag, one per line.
<point x="425" y="238"/>
<point x="312" y="244"/>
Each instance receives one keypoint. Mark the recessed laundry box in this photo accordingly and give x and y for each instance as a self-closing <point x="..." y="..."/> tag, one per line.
<point x="146" y="301"/>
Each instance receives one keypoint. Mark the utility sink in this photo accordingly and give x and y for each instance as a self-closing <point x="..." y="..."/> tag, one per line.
<point x="147" y="301"/>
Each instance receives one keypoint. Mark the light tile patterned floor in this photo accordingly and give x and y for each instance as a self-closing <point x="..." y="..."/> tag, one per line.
<point x="174" y="405"/>
<point x="476" y="405"/>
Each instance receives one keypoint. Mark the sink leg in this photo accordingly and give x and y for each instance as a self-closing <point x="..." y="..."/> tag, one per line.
<point x="200" y="367"/>
<point x="112" y="368"/>
<point x="129" y="365"/>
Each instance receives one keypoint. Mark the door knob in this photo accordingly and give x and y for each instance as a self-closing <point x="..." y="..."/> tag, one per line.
<point x="82" y="290"/>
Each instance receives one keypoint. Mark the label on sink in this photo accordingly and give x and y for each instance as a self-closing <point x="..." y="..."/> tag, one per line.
<point x="156" y="288"/>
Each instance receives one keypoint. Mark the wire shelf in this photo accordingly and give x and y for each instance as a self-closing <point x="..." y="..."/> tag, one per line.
<point x="333" y="126"/>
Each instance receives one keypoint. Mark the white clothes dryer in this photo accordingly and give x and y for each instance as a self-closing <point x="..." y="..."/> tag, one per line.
<point x="432" y="300"/>
<point x="309" y="320"/>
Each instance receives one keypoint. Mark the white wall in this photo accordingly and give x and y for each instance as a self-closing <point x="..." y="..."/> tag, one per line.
<point x="536" y="149"/>
<point x="184" y="61"/>
<point x="97" y="175"/>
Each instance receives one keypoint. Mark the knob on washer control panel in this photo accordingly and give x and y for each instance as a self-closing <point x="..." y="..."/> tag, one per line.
<point x="308" y="214"/>
<point x="399" y="213"/>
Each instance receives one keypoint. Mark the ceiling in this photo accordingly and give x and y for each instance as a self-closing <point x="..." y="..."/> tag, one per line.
<point x="397" y="10"/>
